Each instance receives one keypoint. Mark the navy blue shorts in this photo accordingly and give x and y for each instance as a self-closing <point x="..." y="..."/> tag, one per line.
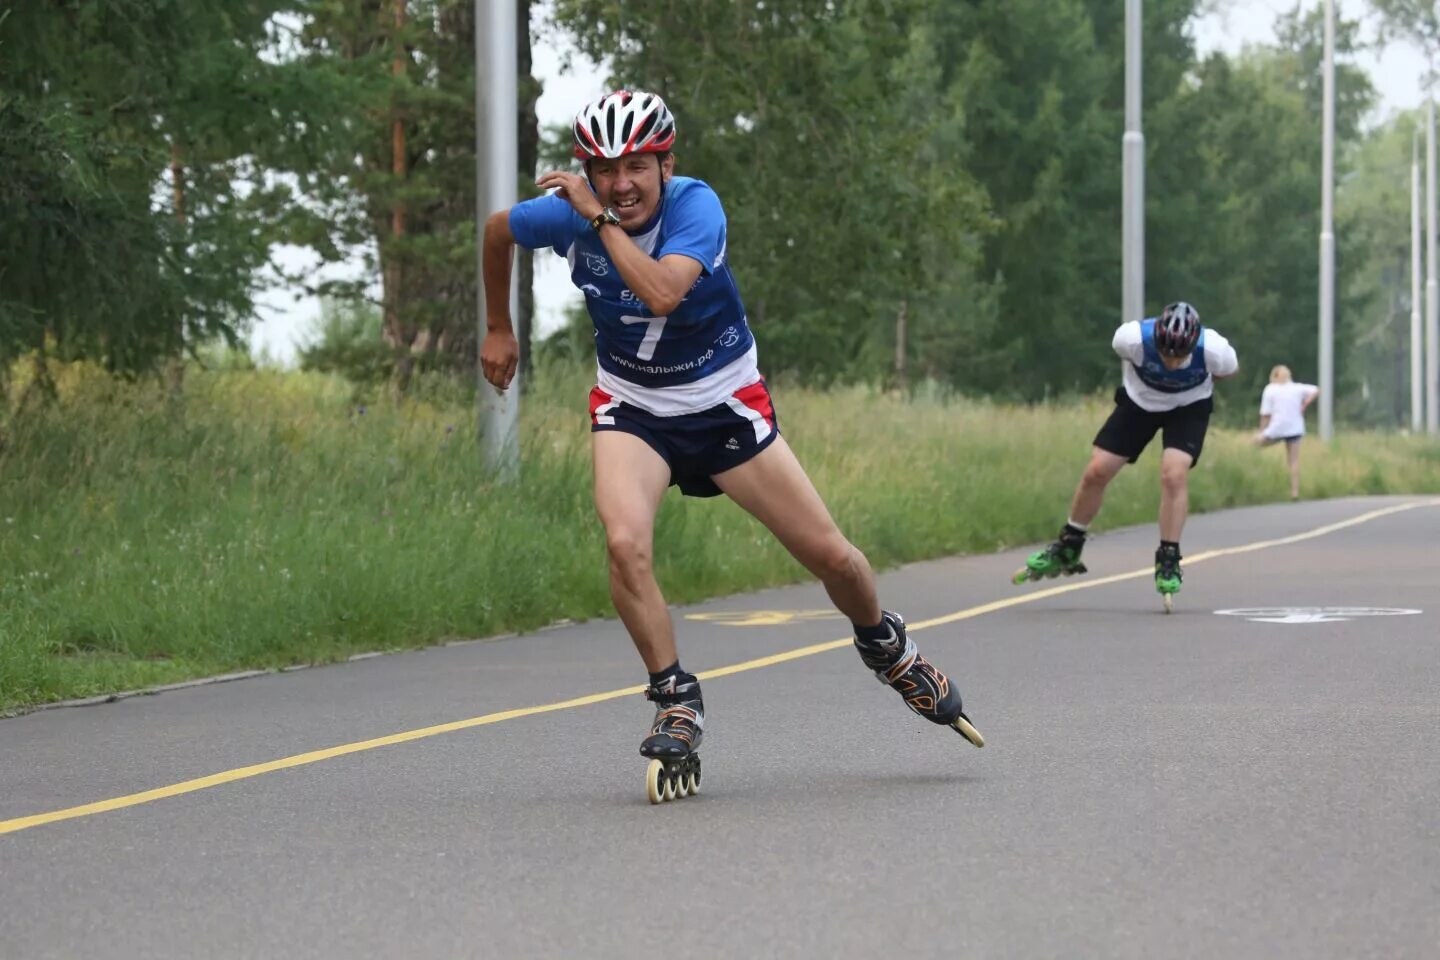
<point x="696" y="445"/>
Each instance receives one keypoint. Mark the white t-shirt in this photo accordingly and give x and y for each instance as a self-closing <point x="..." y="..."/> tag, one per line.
<point x="1285" y="403"/>
<point x="1220" y="361"/>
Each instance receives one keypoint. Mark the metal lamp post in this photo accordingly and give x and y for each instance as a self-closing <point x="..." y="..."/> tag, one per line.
<point x="496" y="164"/>
<point x="1327" y="235"/>
<point x="1133" y="158"/>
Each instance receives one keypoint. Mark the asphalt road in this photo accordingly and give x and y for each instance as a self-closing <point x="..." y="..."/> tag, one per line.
<point x="1192" y="785"/>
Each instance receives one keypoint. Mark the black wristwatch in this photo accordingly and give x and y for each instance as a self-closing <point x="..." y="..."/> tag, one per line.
<point x="608" y="215"/>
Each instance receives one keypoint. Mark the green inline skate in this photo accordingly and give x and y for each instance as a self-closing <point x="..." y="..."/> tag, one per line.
<point x="1167" y="575"/>
<point x="1061" y="558"/>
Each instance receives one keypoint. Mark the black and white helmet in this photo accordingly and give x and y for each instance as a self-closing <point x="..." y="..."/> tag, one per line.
<point x="623" y="123"/>
<point x="1177" y="330"/>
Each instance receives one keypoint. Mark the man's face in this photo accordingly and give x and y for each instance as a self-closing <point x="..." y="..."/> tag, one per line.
<point x="631" y="185"/>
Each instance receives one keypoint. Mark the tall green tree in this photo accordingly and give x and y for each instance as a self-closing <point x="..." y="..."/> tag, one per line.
<point x="102" y="102"/>
<point x="386" y="164"/>
<point x="1372" y="213"/>
<point x="1039" y="143"/>
<point x="1414" y="20"/>
<point x="1234" y="199"/>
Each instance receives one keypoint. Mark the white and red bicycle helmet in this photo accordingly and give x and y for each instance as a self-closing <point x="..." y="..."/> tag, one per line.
<point x="1177" y="329"/>
<point x="623" y="123"/>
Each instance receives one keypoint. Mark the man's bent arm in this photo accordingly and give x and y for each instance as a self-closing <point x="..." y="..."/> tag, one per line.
<point x="1220" y="357"/>
<point x="1127" y="342"/>
<point x="659" y="284"/>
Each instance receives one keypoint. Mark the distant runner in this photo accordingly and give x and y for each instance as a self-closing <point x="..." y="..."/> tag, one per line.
<point x="1282" y="417"/>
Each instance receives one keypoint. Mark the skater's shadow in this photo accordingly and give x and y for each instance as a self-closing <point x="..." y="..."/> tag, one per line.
<point x="867" y="785"/>
<point x="1048" y="612"/>
<point x="928" y="779"/>
<point x="1079" y="616"/>
<point x="918" y="779"/>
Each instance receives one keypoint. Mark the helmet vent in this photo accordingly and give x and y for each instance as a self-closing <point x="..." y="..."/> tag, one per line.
<point x="646" y="126"/>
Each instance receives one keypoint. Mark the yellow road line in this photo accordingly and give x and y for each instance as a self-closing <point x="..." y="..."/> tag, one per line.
<point x="300" y="760"/>
<point x="1150" y="571"/>
<point x="315" y="756"/>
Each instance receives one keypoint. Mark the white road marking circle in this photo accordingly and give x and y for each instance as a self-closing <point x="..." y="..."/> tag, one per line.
<point x="1313" y="614"/>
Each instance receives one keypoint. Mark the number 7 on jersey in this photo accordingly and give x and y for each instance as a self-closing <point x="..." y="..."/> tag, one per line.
<point x="656" y="326"/>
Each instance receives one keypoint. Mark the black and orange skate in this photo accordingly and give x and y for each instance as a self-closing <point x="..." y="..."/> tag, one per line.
<point x="928" y="692"/>
<point x="674" y="768"/>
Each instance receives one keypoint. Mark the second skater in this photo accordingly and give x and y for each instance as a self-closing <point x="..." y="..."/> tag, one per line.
<point x="1170" y="365"/>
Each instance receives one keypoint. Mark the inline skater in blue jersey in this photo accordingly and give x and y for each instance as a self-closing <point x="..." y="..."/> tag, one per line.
<point x="679" y="399"/>
<point x="1170" y="365"/>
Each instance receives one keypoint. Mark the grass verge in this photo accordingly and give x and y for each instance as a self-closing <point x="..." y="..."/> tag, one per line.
<point x="261" y="519"/>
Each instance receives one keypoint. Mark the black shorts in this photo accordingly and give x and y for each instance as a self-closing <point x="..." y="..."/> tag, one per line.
<point x="696" y="445"/>
<point x="1130" y="429"/>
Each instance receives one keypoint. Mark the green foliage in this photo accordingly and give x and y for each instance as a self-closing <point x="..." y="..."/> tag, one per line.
<point x="1234" y="201"/>
<point x="345" y="339"/>
<point x="1372" y="209"/>
<point x="572" y="342"/>
<point x="343" y="160"/>
<point x="1043" y="130"/>
<point x="98" y="100"/>
<point x="1416" y="20"/>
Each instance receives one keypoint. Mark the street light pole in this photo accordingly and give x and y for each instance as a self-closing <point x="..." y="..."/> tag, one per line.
<point x="1327" y="235"/>
<point x="496" y="174"/>
<point x="1417" y="370"/>
<point x="1133" y="160"/>
<point x="1432" y="286"/>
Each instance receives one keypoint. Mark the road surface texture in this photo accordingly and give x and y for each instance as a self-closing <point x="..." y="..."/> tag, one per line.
<point x="1192" y="785"/>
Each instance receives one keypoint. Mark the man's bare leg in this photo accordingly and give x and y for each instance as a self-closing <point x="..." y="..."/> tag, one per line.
<point x="630" y="480"/>
<point x="1090" y="492"/>
<point x="1174" y="492"/>
<point x="1292" y="459"/>
<point x="774" y="488"/>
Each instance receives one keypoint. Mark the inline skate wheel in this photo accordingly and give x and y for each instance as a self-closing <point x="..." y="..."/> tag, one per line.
<point x="669" y="782"/>
<point x="967" y="730"/>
